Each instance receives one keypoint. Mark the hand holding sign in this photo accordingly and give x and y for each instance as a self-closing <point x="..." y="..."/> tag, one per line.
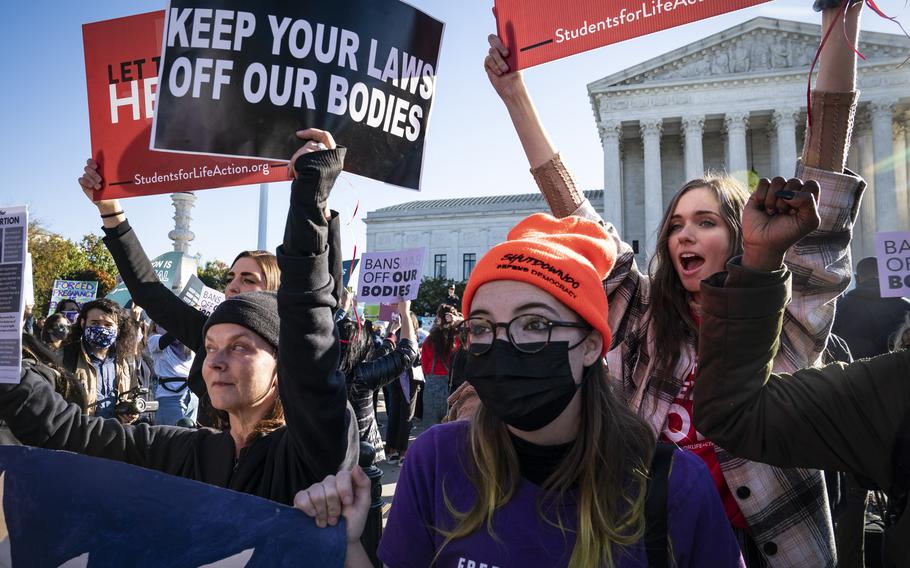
<point x="501" y="77"/>
<point x="90" y="182"/>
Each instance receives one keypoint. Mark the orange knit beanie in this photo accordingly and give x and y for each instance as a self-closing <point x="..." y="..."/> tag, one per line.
<point x="567" y="258"/>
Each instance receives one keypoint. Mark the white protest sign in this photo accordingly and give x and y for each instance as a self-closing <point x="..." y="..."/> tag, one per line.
<point x="386" y="277"/>
<point x="29" y="290"/>
<point x="893" y="253"/>
<point x="13" y="250"/>
<point x="209" y="300"/>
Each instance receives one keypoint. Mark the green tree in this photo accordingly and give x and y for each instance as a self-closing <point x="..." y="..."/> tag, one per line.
<point x="433" y="291"/>
<point x="214" y="274"/>
<point x="97" y="256"/>
<point x="52" y="257"/>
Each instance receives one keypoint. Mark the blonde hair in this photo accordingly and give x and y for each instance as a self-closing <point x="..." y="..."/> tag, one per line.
<point x="607" y="464"/>
<point x="268" y="265"/>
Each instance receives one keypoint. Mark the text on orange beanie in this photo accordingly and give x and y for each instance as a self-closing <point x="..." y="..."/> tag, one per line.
<point x="567" y="258"/>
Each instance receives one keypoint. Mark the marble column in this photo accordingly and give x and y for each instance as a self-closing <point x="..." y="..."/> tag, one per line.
<point x="182" y="235"/>
<point x="651" y="129"/>
<point x="738" y="160"/>
<point x="906" y="122"/>
<point x="886" y="215"/>
<point x="771" y="135"/>
<point x="784" y="122"/>
<point x="611" y="139"/>
<point x="866" y="221"/>
<point x="693" y="128"/>
<point x="900" y="173"/>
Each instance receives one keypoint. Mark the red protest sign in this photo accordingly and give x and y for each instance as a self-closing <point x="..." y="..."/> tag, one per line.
<point x="537" y="31"/>
<point x="121" y="71"/>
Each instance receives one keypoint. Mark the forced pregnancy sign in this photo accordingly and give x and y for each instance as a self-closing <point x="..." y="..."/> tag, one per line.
<point x="538" y="31"/>
<point x="387" y="277"/>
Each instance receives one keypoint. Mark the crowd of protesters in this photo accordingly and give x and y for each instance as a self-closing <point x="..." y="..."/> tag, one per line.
<point x="702" y="412"/>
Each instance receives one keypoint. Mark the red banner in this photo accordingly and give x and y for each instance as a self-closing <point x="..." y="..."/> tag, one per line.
<point x="121" y="71"/>
<point x="538" y="31"/>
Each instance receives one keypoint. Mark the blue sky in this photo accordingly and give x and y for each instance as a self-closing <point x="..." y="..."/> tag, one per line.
<point x="471" y="149"/>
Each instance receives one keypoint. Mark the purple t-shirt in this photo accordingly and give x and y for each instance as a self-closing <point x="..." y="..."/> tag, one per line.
<point x="700" y="534"/>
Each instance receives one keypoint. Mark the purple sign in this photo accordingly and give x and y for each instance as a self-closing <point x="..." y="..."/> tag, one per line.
<point x="893" y="253"/>
<point x="387" y="277"/>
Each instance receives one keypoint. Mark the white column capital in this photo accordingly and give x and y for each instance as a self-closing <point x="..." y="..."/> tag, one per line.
<point x="693" y="125"/>
<point x="736" y="120"/>
<point x="785" y="117"/>
<point x="882" y="108"/>
<point x="651" y="127"/>
<point x="610" y="130"/>
<point x="899" y="128"/>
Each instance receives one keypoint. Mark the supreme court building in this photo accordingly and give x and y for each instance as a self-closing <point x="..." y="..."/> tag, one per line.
<point x="734" y="101"/>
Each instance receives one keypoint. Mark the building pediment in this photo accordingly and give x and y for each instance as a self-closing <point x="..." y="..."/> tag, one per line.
<point x="758" y="46"/>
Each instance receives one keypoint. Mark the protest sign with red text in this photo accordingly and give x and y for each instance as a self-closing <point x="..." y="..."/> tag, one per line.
<point x="538" y="31"/>
<point x="121" y="71"/>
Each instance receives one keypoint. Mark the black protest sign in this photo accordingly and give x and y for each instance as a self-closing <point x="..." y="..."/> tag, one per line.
<point x="239" y="78"/>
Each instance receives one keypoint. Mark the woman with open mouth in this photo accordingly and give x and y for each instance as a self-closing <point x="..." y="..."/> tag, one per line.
<point x="780" y="516"/>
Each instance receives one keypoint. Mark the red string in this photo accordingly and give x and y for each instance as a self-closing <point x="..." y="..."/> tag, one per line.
<point x="354" y="214"/>
<point x="818" y="54"/>
<point x="877" y="10"/>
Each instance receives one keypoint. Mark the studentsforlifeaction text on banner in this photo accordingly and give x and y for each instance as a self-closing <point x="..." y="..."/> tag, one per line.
<point x="240" y="78"/>
<point x="81" y="291"/>
<point x="121" y="71"/>
<point x="57" y="520"/>
<point x="893" y="253"/>
<point x="387" y="277"/>
<point x="13" y="250"/>
<point x="538" y="31"/>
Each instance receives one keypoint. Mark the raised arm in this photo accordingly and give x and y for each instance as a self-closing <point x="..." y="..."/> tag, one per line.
<point x="383" y="370"/>
<point x="625" y="285"/>
<point x="839" y="417"/>
<point x="162" y="305"/>
<point x="311" y="388"/>
<point x="820" y="263"/>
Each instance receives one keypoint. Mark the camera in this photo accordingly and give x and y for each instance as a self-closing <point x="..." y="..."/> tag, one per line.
<point x="133" y="401"/>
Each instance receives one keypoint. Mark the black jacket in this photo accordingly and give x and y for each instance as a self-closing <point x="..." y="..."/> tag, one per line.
<point x="867" y="321"/>
<point x="320" y="435"/>
<point x="849" y="418"/>
<point x="164" y="307"/>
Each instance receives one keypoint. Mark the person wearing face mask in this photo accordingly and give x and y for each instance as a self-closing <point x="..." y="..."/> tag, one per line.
<point x="553" y="470"/>
<point x="55" y="330"/>
<point x="98" y="352"/>
<point x="173" y="361"/>
<point x="250" y="271"/>
<point x="69" y="308"/>
<point x="271" y="371"/>
<point x="656" y="311"/>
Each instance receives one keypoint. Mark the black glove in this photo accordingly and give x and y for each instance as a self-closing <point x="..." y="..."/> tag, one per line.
<point x="820" y="5"/>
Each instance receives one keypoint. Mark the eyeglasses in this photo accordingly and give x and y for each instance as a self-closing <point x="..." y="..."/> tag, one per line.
<point x="528" y="333"/>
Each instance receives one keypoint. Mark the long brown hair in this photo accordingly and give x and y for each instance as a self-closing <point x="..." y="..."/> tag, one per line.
<point x="670" y="317"/>
<point x="443" y="333"/>
<point x="607" y="465"/>
<point x="268" y="264"/>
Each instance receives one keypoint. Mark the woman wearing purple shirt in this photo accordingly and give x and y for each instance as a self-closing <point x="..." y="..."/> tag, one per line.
<point x="553" y="470"/>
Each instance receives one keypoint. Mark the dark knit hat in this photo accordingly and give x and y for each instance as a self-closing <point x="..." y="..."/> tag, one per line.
<point x="256" y="311"/>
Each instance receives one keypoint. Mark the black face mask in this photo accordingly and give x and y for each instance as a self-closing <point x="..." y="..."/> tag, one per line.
<point x="526" y="391"/>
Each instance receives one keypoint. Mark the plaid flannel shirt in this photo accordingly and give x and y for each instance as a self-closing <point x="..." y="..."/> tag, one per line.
<point x="786" y="509"/>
